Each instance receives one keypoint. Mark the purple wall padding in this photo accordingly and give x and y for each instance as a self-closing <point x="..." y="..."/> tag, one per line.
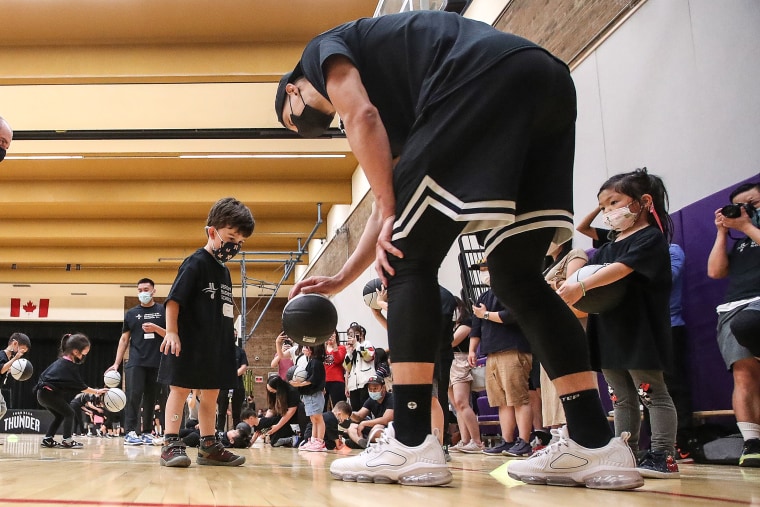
<point x="711" y="383"/>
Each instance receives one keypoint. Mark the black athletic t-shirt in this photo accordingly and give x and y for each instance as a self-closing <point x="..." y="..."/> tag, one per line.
<point x="635" y="335"/>
<point x="241" y="358"/>
<point x="4" y="359"/>
<point x="144" y="347"/>
<point x="410" y="61"/>
<point x="743" y="271"/>
<point x="64" y="377"/>
<point x="377" y="408"/>
<point x="203" y="289"/>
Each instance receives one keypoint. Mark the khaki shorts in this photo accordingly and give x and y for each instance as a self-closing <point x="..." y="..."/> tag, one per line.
<point x="460" y="369"/>
<point x="507" y="378"/>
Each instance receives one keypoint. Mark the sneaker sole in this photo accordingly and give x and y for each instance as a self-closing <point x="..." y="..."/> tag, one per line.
<point x="133" y="443"/>
<point x="616" y="480"/>
<point x="212" y="462"/>
<point x="438" y="476"/>
<point x="179" y="462"/>
<point x="654" y="474"/>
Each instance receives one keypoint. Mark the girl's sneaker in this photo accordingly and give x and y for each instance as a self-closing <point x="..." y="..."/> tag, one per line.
<point x="315" y="445"/>
<point x="71" y="444"/>
<point x="658" y="465"/>
<point x="49" y="442"/>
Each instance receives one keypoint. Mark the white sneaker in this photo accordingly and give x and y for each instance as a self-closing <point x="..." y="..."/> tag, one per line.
<point x="471" y="448"/>
<point x="388" y="460"/>
<point x="457" y="447"/>
<point x="566" y="463"/>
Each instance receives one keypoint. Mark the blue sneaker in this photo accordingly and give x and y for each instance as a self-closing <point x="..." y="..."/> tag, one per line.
<point x="132" y="439"/>
<point x="499" y="449"/>
<point x="520" y="449"/>
<point x="147" y="438"/>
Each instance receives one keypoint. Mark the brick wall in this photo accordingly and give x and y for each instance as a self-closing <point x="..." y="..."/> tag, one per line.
<point x="564" y="27"/>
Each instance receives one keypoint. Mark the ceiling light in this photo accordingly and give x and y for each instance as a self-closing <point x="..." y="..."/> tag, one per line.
<point x="271" y="155"/>
<point x="42" y="157"/>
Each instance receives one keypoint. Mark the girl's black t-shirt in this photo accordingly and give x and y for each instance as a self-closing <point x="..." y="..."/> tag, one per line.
<point x="635" y="335"/>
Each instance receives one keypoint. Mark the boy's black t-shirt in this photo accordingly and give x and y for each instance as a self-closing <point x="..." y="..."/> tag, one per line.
<point x="4" y="359"/>
<point x="203" y="290"/>
<point x="144" y="351"/>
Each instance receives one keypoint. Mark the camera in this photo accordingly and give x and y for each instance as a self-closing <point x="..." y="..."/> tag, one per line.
<point x="735" y="210"/>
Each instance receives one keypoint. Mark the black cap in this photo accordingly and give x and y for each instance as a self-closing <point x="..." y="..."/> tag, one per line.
<point x="378" y="379"/>
<point x="279" y="99"/>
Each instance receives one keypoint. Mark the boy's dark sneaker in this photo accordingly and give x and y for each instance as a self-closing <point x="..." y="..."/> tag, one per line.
<point x="71" y="444"/>
<point x="50" y="443"/>
<point x="217" y="455"/>
<point x="173" y="455"/>
<point x="658" y="465"/>
<point x="751" y="453"/>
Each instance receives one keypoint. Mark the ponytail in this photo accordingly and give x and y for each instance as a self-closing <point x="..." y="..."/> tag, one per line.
<point x="71" y="342"/>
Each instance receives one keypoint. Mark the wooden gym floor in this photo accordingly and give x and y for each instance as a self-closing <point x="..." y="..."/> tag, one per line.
<point x="107" y="473"/>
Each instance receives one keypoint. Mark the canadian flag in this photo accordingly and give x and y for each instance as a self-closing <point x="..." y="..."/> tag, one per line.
<point x="29" y="308"/>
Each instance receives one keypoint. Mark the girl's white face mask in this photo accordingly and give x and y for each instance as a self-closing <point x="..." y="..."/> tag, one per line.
<point x="620" y="219"/>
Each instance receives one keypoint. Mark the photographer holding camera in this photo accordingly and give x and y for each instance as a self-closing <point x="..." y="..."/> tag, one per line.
<point x="739" y="315"/>
<point x="285" y="354"/>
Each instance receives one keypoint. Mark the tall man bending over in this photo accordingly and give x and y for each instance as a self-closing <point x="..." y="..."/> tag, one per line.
<point x="143" y="324"/>
<point x="459" y="128"/>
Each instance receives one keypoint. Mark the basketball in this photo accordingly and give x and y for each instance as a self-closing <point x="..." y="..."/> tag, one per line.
<point x="370" y="293"/>
<point x="114" y="399"/>
<point x="22" y="369"/>
<point x="300" y="375"/>
<point x="598" y="299"/>
<point x="309" y="319"/>
<point x="112" y="378"/>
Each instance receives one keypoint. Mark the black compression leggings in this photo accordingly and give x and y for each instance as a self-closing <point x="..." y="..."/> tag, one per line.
<point x="515" y="265"/>
<point x="62" y="412"/>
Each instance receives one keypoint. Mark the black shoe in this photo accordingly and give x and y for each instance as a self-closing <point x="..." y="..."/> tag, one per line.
<point x="751" y="453"/>
<point x="658" y="465"/>
<point x="217" y="455"/>
<point x="49" y="442"/>
<point x="173" y="455"/>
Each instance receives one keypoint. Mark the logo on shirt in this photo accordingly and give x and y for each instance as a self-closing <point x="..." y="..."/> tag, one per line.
<point x="210" y="290"/>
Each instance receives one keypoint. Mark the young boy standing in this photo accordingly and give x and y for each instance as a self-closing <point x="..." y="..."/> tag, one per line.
<point x="198" y="349"/>
<point x="18" y="345"/>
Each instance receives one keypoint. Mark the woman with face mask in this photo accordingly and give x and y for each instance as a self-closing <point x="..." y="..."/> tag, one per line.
<point x="631" y="342"/>
<point x="359" y="364"/>
<point x="58" y="385"/>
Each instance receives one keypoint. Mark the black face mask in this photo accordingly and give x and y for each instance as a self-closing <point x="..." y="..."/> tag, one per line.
<point x="2" y="154"/>
<point x="310" y="123"/>
<point x="78" y="360"/>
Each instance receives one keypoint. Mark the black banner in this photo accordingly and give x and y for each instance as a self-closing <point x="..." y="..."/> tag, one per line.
<point x="25" y="421"/>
